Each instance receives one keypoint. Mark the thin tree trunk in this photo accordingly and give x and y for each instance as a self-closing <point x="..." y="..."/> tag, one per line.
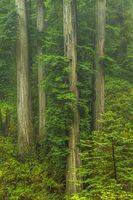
<point x="114" y="161"/>
<point x="29" y="22"/>
<point x="7" y="123"/>
<point x="41" y="70"/>
<point x="23" y="85"/>
<point x="1" y="122"/>
<point x="124" y="37"/>
<point x="99" y="74"/>
<point x="70" y="43"/>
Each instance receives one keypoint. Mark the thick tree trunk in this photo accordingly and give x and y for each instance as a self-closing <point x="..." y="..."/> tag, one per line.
<point x="70" y="42"/>
<point x="23" y="86"/>
<point x="99" y="74"/>
<point x="41" y="70"/>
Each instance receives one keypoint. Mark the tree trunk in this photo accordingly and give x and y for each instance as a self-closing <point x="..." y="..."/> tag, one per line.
<point x="23" y="85"/>
<point x="7" y="123"/>
<point x="70" y="43"/>
<point x="41" y="70"/>
<point x="1" y="123"/>
<point x="28" y="10"/>
<point x="99" y="74"/>
<point x="124" y="36"/>
<point x="114" y="161"/>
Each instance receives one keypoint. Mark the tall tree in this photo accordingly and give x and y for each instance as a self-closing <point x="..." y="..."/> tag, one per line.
<point x="41" y="72"/>
<point x="23" y="82"/>
<point x="99" y="67"/>
<point x="70" y="43"/>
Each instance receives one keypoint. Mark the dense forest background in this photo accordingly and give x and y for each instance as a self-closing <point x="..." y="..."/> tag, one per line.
<point x="66" y="100"/>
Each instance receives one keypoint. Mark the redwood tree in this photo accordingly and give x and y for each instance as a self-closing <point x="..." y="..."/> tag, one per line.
<point x="23" y="83"/>
<point x="99" y="66"/>
<point x="70" y="43"/>
<point x="41" y="71"/>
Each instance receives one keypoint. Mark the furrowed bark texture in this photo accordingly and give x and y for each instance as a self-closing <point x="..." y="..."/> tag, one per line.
<point x="99" y="74"/>
<point x="70" y="43"/>
<point x="23" y="85"/>
<point x="41" y="70"/>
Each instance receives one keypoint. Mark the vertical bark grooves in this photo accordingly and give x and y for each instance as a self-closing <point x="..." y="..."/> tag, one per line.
<point x="41" y="70"/>
<point x="99" y="74"/>
<point x="23" y="85"/>
<point x="70" y="43"/>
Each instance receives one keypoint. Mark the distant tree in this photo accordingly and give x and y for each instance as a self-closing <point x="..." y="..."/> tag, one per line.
<point x="41" y="71"/>
<point x="99" y="67"/>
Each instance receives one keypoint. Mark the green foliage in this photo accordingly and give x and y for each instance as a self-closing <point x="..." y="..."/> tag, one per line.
<point x="107" y="153"/>
<point x="60" y="102"/>
<point x="26" y="180"/>
<point x="107" y="165"/>
<point x="7" y="118"/>
<point x="7" y="49"/>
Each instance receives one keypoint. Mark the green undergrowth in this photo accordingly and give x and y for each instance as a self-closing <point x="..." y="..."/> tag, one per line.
<point x="23" y="181"/>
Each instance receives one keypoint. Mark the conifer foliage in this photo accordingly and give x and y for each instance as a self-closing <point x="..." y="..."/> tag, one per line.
<point x="66" y="100"/>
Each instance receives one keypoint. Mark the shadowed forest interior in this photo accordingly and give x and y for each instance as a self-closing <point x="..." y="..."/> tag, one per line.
<point x="66" y="99"/>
